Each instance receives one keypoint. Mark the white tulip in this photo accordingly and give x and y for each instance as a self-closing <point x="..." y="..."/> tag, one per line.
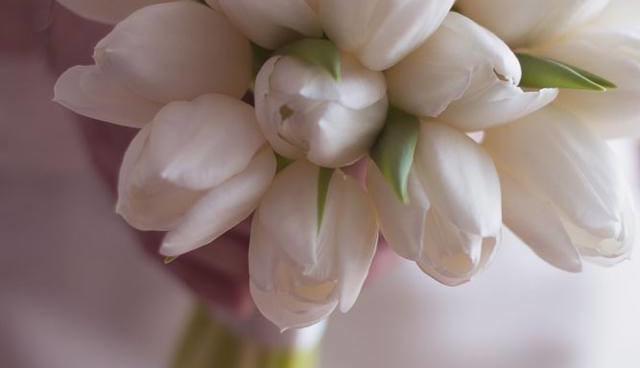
<point x="562" y="189"/>
<point x="529" y="22"/>
<point x="161" y="53"/>
<point x="611" y="53"/>
<point x="198" y="169"/>
<point x="465" y="76"/>
<point x="107" y="11"/>
<point x="452" y="223"/>
<point x="381" y="33"/>
<point x="300" y="273"/>
<point x="620" y="13"/>
<point x="272" y="23"/>
<point x="305" y="113"/>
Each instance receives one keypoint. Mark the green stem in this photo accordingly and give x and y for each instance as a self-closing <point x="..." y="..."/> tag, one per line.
<point x="207" y="343"/>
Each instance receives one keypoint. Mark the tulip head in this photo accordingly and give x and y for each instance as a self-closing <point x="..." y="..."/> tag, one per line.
<point x="305" y="112"/>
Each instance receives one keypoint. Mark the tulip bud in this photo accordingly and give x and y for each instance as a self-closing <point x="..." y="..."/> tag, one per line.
<point x="198" y="169"/>
<point x="304" y="112"/>
<point x="451" y="224"/>
<point x="561" y="179"/>
<point x="381" y="33"/>
<point x="272" y="23"/>
<point x="529" y="22"/>
<point x="161" y="53"/>
<point x="304" y="261"/>
<point x="465" y="76"/>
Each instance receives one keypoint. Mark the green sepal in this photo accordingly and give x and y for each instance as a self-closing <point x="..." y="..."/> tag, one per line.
<point x="320" y="52"/>
<point x="324" y="178"/>
<point x="394" y="150"/>
<point x="541" y="72"/>
<point x="260" y="56"/>
<point x="168" y="260"/>
<point x="282" y="162"/>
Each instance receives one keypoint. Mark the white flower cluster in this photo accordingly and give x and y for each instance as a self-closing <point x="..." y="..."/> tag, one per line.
<point x="396" y="85"/>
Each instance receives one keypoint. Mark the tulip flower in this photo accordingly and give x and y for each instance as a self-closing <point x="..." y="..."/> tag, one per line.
<point x="528" y="22"/>
<point x="562" y="192"/>
<point x="381" y="33"/>
<point x="451" y="224"/>
<point x="161" y="53"/>
<point x="272" y="23"/>
<point x="185" y="172"/>
<point x="465" y="76"/>
<point x="305" y="260"/>
<point x="106" y="11"/>
<point x="304" y="112"/>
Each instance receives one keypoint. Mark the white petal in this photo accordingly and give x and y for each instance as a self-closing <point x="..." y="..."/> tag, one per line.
<point x="186" y="150"/>
<point x="451" y="255"/>
<point x="553" y="154"/>
<point x="200" y="144"/>
<point x="465" y="76"/>
<point x="528" y="22"/>
<point x="88" y="91"/>
<point x="223" y="207"/>
<point x="537" y="222"/>
<point x="106" y="11"/>
<point x="613" y="54"/>
<point x="177" y="51"/>
<point x="274" y="23"/>
<point x="459" y="178"/>
<point x="144" y="201"/>
<point x="381" y="33"/>
<point x="351" y="222"/>
<point x="402" y="225"/>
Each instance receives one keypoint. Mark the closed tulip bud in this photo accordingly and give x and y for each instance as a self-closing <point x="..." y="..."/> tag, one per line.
<point x="452" y="222"/>
<point x="465" y="76"/>
<point x="305" y="112"/>
<point x="304" y="262"/>
<point x="198" y="169"/>
<point x="159" y="54"/>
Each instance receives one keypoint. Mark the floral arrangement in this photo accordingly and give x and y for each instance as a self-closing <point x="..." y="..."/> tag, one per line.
<point x="330" y="121"/>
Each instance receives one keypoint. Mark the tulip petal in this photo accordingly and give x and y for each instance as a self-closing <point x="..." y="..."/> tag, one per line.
<point x="529" y="22"/>
<point x="460" y="178"/>
<point x="201" y="143"/>
<point x="176" y="159"/>
<point x="381" y="33"/>
<point x="613" y="54"/>
<point x="106" y="11"/>
<point x="552" y="153"/>
<point x="451" y="255"/>
<point x="401" y="224"/>
<point x="223" y="207"/>
<point x="538" y="224"/>
<point x="89" y="91"/>
<point x="177" y="51"/>
<point x="272" y="24"/>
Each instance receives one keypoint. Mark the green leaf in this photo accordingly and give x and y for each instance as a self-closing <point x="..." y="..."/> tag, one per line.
<point x="320" y="52"/>
<point x="324" y="178"/>
<point x="168" y="260"/>
<point x="393" y="151"/>
<point x="541" y="72"/>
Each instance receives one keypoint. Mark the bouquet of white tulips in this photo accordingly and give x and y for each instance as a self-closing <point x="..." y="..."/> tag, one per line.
<point x="396" y="87"/>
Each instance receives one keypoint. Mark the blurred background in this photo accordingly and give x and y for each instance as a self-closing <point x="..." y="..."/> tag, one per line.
<point x="77" y="291"/>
